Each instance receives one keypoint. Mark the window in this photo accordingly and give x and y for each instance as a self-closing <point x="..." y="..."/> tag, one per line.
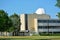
<point x="43" y="21"/>
<point x="48" y="21"/>
<point x="42" y="27"/>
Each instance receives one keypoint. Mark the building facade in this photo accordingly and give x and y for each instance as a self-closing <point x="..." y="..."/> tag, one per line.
<point x="50" y="25"/>
<point x="39" y="22"/>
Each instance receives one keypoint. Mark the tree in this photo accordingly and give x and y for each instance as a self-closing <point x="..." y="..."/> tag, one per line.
<point x="5" y="22"/>
<point x="16" y="22"/>
<point x="58" y="15"/>
<point x="58" y="5"/>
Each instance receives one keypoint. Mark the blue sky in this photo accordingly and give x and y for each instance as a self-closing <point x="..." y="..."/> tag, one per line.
<point x="29" y="6"/>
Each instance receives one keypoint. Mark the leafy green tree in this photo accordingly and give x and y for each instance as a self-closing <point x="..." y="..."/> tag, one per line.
<point x="58" y="15"/>
<point x="58" y="5"/>
<point x="5" y="22"/>
<point x="16" y="22"/>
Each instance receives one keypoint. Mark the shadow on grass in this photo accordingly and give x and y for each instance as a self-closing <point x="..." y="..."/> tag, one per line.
<point x="5" y="39"/>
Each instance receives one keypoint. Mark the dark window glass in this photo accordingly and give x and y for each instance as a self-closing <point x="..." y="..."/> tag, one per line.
<point x="48" y="21"/>
<point x="52" y="21"/>
<point x="42" y="27"/>
<point x="58" y="21"/>
<point x="43" y="21"/>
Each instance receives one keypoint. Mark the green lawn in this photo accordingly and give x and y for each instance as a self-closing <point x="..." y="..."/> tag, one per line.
<point x="22" y="39"/>
<point x="29" y="37"/>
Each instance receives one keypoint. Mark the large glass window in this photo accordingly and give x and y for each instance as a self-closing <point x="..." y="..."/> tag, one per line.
<point x="44" y="27"/>
<point x="48" y="21"/>
<point x="58" y="21"/>
<point x="54" y="21"/>
<point x="43" y="21"/>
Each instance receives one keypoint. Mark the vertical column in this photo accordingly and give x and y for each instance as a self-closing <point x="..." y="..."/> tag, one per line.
<point x="36" y="26"/>
<point x="22" y="18"/>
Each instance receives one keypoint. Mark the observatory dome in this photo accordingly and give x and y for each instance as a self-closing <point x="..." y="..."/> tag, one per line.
<point x="40" y="11"/>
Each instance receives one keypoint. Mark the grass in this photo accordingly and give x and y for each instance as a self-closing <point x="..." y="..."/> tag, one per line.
<point x="29" y="37"/>
<point x="23" y="39"/>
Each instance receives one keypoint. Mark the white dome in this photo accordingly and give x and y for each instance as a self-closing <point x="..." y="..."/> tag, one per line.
<point x="40" y="11"/>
